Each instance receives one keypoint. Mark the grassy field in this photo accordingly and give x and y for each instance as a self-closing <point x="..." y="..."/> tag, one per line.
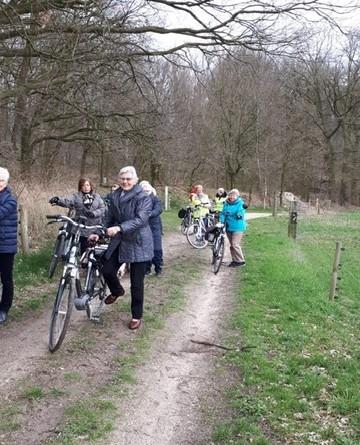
<point x="296" y="353"/>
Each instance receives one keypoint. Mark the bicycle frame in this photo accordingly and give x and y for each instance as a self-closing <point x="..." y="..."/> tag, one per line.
<point x="218" y="247"/>
<point x="69" y="288"/>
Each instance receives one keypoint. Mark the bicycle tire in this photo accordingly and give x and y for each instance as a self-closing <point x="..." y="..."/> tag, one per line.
<point x="218" y="254"/>
<point x="183" y="227"/>
<point x="57" y="255"/>
<point x="61" y="313"/>
<point x="97" y="293"/>
<point x="194" y="237"/>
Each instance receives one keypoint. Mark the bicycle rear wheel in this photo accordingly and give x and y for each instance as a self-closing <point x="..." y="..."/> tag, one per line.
<point x="196" y="236"/>
<point x="61" y="313"/>
<point x="97" y="293"/>
<point x="58" y="253"/>
<point x="184" y="226"/>
<point x="218" y="254"/>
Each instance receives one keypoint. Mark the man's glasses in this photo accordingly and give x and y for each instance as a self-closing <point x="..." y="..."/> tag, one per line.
<point x="126" y="179"/>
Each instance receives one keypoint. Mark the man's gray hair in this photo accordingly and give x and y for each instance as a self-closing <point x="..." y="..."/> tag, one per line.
<point x="129" y="169"/>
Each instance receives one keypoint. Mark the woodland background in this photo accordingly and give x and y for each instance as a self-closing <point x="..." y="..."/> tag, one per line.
<point x="262" y="96"/>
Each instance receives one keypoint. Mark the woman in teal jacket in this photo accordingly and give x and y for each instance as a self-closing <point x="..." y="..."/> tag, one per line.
<point x="233" y="216"/>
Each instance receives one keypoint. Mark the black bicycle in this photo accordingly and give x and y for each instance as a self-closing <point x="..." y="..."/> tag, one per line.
<point x="216" y="236"/>
<point x="71" y="292"/>
<point x="62" y="246"/>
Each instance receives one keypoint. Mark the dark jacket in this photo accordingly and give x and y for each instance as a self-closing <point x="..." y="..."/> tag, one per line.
<point x="155" y="221"/>
<point x="8" y="222"/>
<point x="131" y="211"/>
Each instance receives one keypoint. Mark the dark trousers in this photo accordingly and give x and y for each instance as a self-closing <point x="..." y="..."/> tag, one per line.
<point x="137" y="273"/>
<point x="83" y="244"/>
<point x="6" y="276"/>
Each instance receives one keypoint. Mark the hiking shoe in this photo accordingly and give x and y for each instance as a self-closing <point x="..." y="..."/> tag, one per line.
<point x="237" y="263"/>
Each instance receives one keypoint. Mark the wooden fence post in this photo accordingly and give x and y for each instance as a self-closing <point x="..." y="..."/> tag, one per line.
<point x="167" y="206"/>
<point x="292" y="226"/>
<point x="24" y="228"/>
<point x="335" y="270"/>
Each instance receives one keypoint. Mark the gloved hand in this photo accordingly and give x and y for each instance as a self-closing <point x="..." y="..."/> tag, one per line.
<point x="245" y="206"/>
<point x="53" y="201"/>
<point x="89" y="214"/>
<point x="239" y="217"/>
<point x="219" y="225"/>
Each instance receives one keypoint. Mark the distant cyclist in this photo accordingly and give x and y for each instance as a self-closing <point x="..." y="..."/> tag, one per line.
<point x="199" y="198"/>
<point x="85" y="202"/>
<point x="219" y="199"/>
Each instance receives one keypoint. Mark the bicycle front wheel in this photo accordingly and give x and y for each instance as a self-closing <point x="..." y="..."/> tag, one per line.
<point x="196" y="236"/>
<point x="61" y="313"/>
<point x="58" y="252"/>
<point x="218" y="254"/>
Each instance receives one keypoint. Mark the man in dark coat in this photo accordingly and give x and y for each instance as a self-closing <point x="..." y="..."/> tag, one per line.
<point x="156" y="228"/>
<point x="131" y="242"/>
<point x="8" y="243"/>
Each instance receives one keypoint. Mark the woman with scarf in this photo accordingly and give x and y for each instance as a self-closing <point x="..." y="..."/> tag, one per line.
<point x="85" y="202"/>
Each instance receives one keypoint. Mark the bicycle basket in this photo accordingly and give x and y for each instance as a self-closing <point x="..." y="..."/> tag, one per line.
<point x="182" y="213"/>
<point x="100" y="249"/>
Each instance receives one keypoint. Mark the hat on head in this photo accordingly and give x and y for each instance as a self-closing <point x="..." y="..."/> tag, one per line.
<point x="4" y="174"/>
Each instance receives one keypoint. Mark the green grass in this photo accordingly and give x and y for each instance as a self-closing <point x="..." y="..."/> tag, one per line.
<point x="87" y="422"/>
<point x="8" y="417"/>
<point x="170" y="220"/>
<point x="33" y="393"/>
<point x="32" y="269"/>
<point x="300" y="375"/>
<point x="30" y="273"/>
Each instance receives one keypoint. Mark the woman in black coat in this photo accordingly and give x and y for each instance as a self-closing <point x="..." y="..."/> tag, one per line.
<point x="8" y="243"/>
<point x="131" y="242"/>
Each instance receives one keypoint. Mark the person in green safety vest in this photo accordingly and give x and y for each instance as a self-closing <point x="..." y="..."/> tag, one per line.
<point x="219" y="199"/>
<point x="199" y="198"/>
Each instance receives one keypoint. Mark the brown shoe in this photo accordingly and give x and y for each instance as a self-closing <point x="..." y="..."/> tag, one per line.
<point x="110" y="299"/>
<point x="134" y="324"/>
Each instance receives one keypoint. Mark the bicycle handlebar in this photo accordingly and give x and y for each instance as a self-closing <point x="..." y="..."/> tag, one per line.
<point x="60" y="218"/>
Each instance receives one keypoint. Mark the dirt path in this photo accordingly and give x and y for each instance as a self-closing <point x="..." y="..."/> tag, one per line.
<point x="177" y="382"/>
<point x="175" y="385"/>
